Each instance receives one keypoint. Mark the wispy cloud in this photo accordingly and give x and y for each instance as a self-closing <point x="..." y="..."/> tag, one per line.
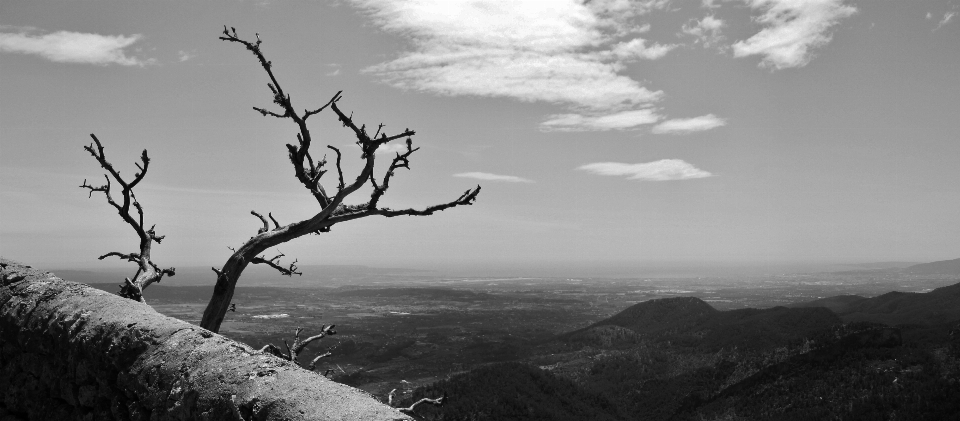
<point x="615" y="121"/>
<point x="662" y="170"/>
<point x="705" y="31"/>
<point x="947" y="17"/>
<point x="335" y="69"/>
<point x="564" y="52"/>
<point x="689" y="125"/>
<point x="493" y="177"/>
<point x="74" y="47"/>
<point x="792" y="30"/>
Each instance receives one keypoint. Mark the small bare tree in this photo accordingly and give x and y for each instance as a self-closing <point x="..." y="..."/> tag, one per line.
<point x="294" y="351"/>
<point x="309" y="170"/>
<point x="147" y="271"/>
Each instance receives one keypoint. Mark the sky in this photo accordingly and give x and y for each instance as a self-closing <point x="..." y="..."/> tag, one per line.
<point x="605" y="132"/>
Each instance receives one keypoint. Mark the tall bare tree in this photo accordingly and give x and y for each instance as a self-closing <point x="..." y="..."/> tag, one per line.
<point x="147" y="271"/>
<point x="309" y="170"/>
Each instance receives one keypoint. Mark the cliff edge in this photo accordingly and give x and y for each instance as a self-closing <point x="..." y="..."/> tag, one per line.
<point x="69" y="351"/>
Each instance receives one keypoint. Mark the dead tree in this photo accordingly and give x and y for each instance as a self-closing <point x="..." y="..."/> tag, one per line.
<point x="147" y="271"/>
<point x="309" y="169"/>
<point x="294" y="351"/>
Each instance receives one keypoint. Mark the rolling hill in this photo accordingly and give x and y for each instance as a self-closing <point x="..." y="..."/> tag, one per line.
<point x="896" y="308"/>
<point x="693" y="322"/>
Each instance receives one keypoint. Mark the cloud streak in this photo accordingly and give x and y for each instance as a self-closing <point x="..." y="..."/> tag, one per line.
<point x="73" y="47"/>
<point x="947" y="17"/>
<point x="388" y="149"/>
<point x="493" y="177"/>
<point x="662" y="170"/>
<point x="563" y="52"/>
<point x="792" y="30"/>
<point x="616" y="121"/>
<point x="689" y="125"/>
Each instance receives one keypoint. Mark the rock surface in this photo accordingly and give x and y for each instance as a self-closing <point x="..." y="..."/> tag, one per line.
<point x="69" y="351"/>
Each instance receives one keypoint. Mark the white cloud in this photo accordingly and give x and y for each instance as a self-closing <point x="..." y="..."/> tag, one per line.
<point x="706" y="30"/>
<point x="710" y="4"/>
<point x="947" y="17"/>
<point x="662" y="170"/>
<point x="493" y="177"/>
<point x="792" y="29"/>
<point x="615" y="121"/>
<point x="564" y="52"/>
<point x="388" y="149"/>
<point x="186" y="55"/>
<point x="73" y="47"/>
<point x="689" y="125"/>
<point x="637" y="48"/>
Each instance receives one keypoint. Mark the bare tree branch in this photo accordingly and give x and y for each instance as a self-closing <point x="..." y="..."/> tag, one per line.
<point x="410" y="409"/>
<point x="266" y="226"/>
<point x="313" y="363"/>
<point x="294" y="351"/>
<point x="147" y="271"/>
<point x="339" y="168"/>
<point x="274" y="262"/>
<point x="276" y="225"/>
<point x="308" y="113"/>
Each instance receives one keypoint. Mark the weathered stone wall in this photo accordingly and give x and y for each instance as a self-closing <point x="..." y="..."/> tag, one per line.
<point x="69" y="351"/>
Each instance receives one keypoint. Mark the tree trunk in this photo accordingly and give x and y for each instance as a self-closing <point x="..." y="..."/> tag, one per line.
<point x="223" y="292"/>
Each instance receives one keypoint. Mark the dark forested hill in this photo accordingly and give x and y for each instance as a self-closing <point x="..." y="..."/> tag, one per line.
<point x="681" y="359"/>
<point x="896" y="308"/>
<point x="513" y="391"/>
<point x="662" y="315"/>
<point x="838" y="304"/>
<point x="866" y="375"/>
<point x="691" y="321"/>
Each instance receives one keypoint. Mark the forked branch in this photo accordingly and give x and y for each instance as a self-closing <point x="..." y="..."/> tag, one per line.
<point x="274" y="262"/>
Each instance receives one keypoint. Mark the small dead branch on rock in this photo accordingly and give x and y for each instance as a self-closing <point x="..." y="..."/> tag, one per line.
<point x="147" y="271"/>
<point x="294" y="351"/>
